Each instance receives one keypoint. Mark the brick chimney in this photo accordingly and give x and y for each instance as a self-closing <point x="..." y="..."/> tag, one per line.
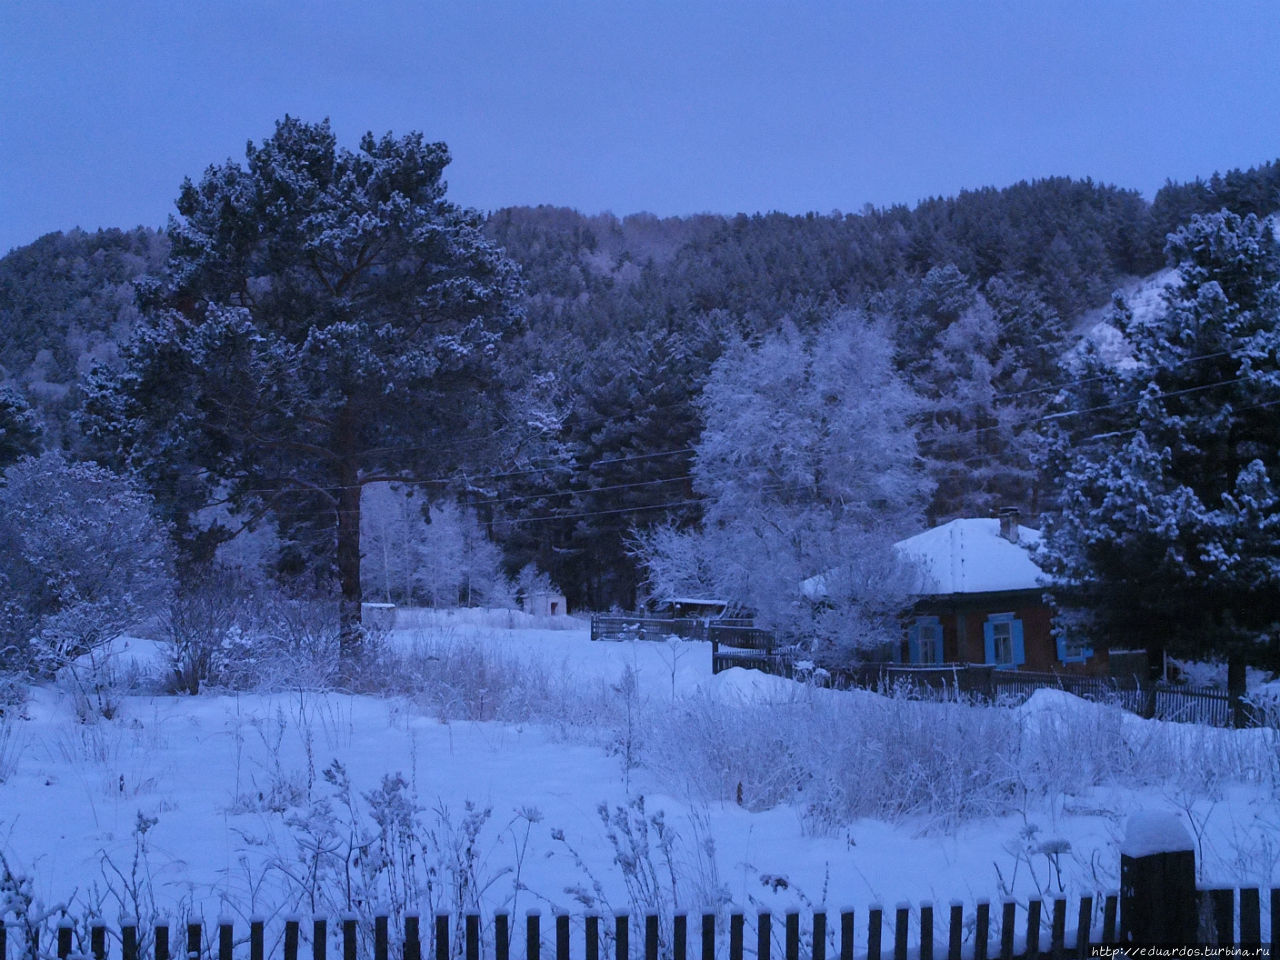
<point x="1008" y="523"/>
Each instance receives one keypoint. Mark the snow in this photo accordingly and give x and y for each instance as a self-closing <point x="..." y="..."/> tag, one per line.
<point x="1149" y="832"/>
<point x="970" y="556"/>
<point x="228" y="779"/>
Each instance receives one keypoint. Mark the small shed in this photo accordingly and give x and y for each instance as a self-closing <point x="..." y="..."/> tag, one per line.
<point x="545" y="603"/>
<point x="693" y="608"/>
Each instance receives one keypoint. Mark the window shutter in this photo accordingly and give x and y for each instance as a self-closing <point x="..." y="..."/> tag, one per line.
<point x="989" y="641"/>
<point x="913" y="643"/>
<point x="1019" y="649"/>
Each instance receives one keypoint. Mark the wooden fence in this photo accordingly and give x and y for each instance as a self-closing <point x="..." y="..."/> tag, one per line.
<point x="734" y="631"/>
<point x="1161" y="701"/>
<point x="1006" y="930"/>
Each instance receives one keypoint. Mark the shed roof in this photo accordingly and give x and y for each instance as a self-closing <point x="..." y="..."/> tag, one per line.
<point x="970" y="556"/>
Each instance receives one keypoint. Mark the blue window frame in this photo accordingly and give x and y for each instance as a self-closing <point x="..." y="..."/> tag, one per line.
<point x="1072" y="651"/>
<point x="924" y="641"/>
<point x="1002" y="641"/>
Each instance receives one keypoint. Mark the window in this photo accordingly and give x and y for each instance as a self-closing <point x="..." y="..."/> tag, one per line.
<point x="924" y="641"/>
<point x="1072" y="649"/>
<point x="1002" y="636"/>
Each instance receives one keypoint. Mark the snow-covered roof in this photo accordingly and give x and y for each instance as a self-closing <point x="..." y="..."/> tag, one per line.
<point x="696" y="602"/>
<point x="970" y="556"/>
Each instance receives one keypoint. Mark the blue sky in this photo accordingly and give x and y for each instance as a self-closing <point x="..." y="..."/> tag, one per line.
<point x="667" y="107"/>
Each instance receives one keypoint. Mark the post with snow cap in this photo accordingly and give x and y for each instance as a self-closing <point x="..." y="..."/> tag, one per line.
<point x="1157" y="881"/>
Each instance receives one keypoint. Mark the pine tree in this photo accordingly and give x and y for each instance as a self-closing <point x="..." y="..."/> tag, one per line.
<point x="333" y="321"/>
<point x="1165" y="529"/>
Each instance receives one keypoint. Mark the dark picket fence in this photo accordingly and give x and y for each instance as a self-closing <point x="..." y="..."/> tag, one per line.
<point x="1006" y="930"/>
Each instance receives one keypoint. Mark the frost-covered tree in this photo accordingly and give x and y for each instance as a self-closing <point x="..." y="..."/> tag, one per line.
<point x="81" y="558"/>
<point x="436" y="553"/>
<point x="333" y="321"/>
<point x="809" y="468"/>
<point x="1165" y="533"/>
<point x="19" y="431"/>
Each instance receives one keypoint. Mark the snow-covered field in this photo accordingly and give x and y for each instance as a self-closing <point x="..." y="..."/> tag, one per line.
<point x="527" y="767"/>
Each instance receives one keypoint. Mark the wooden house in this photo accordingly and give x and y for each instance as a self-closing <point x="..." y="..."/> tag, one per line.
<point x="982" y="601"/>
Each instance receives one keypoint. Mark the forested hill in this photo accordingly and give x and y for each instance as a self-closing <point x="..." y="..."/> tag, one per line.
<point x="627" y="316"/>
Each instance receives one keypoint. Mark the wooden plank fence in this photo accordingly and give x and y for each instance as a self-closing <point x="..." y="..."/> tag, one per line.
<point x="1056" y="928"/>
<point x="723" y="630"/>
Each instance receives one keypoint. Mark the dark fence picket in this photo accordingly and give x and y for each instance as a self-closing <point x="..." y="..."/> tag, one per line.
<point x="875" y="929"/>
<point x="982" y="930"/>
<point x="1033" y="928"/>
<point x="501" y="936"/>
<point x="1084" y="928"/>
<point x="622" y="936"/>
<point x="412" y="937"/>
<point x="258" y="938"/>
<point x="791" y="942"/>
<point x="820" y="935"/>
<point x="226" y="940"/>
<point x="901" y="922"/>
<point x="679" y="937"/>
<point x="349" y="935"/>
<point x="1058" y="938"/>
<point x="1222" y="910"/>
<point x="381" y="937"/>
<point x="471" y="936"/>
<point x="562" y="936"/>
<point x="926" y="931"/>
<point x="442" y="936"/>
<point x="291" y="938"/>
<point x="98" y="940"/>
<point x="651" y="937"/>
<point x="532" y="935"/>
<point x="64" y="939"/>
<point x="1109" y="918"/>
<point x="955" y="933"/>
<point x="1275" y="922"/>
<point x="1251" y="918"/>
<point x="1008" y="918"/>
<point x="708" y="936"/>
<point x="194" y="936"/>
<point x="593" y="937"/>
<point x="764" y="931"/>
<point x="846" y="935"/>
<point x="735" y="936"/>
<point x="128" y="942"/>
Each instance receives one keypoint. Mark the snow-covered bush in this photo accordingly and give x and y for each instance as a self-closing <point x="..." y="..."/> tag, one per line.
<point x="81" y="559"/>
<point x="228" y="631"/>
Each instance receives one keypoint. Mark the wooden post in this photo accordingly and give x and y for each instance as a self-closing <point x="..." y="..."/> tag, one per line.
<point x="98" y="940"/>
<point x="442" y="935"/>
<point x="64" y="939"/>
<point x="348" y="937"/>
<point x="257" y="938"/>
<point x="621" y="935"/>
<point x="226" y="938"/>
<point x="820" y="935"/>
<point x="593" y="937"/>
<point x="128" y="941"/>
<point x="1157" y="882"/>
<point x="193" y="940"/>
<point x="679" y="937"/>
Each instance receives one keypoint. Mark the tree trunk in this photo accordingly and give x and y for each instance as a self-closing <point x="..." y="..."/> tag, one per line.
<point x="350" y="630"/>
